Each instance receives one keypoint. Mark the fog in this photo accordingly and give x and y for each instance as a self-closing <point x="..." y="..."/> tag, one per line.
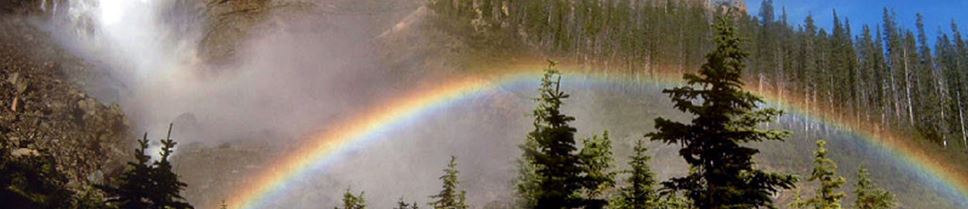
<point x="298" y="71"/>
<point x="291" y="73"/>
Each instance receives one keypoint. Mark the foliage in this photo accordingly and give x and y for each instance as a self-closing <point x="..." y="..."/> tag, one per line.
<point x="726" y="117"/>
<point x="449" y="197"/>
<point x="889" y="74"/>
<point x="351" y="201"/>
<point x="554" y="152"/>
<point x="596" y="155"/>
<point x="825" y="171"/>
<point x="869" y="196"/>
<point x="640" y="191"/>
<point x="401" y="204"/>
<point x="149" y="185"/>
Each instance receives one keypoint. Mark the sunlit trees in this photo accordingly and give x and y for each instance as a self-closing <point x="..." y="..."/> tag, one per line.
<point x="449" y="197"/>
<point x="553" y="171"/>
<point x="828" y="195"/>
<point x="869" y="196"/>
<point x="554" y="153"/>
<point x="726" y="117"/>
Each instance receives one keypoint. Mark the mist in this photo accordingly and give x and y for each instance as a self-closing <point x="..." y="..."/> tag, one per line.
<point x="306" y="65"/>
<point x="290" y="74"/>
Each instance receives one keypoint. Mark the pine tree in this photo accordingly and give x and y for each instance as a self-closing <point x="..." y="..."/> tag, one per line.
<point x="726" y="117"/>
<point x="351" y="201"/>
<point x="135" y="184"/>
<point x="146" y="185"/>
<point x="401" y="204"/>
<point x="596" y="155"/>
<point x="449" y="197"/>
<point x="167" y="188"/>
<point x="869" y="196"/>
<point x="828" y="196"/>
<point x="554" y="154"/>
<point x="640" y="191"/>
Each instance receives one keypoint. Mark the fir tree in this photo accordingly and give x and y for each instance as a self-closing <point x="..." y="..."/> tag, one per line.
<point x="869" y="196"/>
<point x="726" y="117"/>
<point x="449" y="197"/>
<point x="135" y="184"/>
<point x="351" y="201"/>
<point x="596" y="154"/>
<point x="640" y="191"/>
<point x="146" y="185"/>
<point x="166" y="193"/>
<point x="401" y="204"/>
<point x="828" y="196"/>
<point x="553" y="151"/>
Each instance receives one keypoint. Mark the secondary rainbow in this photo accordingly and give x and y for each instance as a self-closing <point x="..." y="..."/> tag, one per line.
<point x="352" y="134"/>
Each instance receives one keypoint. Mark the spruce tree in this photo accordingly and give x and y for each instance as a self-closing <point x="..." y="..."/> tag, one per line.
<point x="553" y="152"/>
<point x="726" y="117"/>
<point x="147" y="185"/>
<point x="640" y="191"/>
<point x="166" y="193"/>
<point x="596" y="154"/>
<point x="351" y="201"/>
<point x="828" y="196"/>
<point x="135" y="184"/>
<point x="869" y="196"/>
<point x="449" y="197"/>
<point x="401" y="204"/>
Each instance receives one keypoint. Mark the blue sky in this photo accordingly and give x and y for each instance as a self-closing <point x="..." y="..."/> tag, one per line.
<point x="937" y="13"/>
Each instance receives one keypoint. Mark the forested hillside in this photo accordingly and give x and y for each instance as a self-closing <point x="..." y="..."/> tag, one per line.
<point x="887" y="75"/>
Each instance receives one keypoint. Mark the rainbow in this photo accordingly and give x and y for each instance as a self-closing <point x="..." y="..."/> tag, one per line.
<point x="323" y="149"/>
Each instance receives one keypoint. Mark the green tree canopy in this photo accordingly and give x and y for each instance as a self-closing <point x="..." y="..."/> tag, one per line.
<point x="449" y="197"/>
<point x="869" y="196"/>
<point x="726" y="117"/>
<point x="640" y="191"/>
<point x="825" y="171"/>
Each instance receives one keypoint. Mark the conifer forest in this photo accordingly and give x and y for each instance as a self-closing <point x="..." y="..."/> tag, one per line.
<point x="483" y="104"/>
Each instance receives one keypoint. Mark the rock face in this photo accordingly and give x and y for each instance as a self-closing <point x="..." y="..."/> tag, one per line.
<point x="231" y="22"/>
<point x="43" y="109"/>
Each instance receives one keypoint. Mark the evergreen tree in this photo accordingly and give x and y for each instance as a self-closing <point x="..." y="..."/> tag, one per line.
<point x="166" y="191"/>
<point x="726" y="117"/>
<point x="640" y="191"/>
<point x="596" y="154"/>
<point x="869" y="196"/>
<point x="404" y="205"/>
<point x="553" y="152"/>
<point x="449" y="197"/>
<point x="146" y="185"/>
<point x="351" y="201"/>
<point x="135" y="184"/>
<point x="825" y="171"/>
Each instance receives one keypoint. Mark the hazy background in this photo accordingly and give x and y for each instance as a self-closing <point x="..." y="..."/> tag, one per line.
<point x="298" y="68"/>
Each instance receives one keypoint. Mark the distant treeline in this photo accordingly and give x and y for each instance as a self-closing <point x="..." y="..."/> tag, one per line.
<point x="886" y="74"/>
